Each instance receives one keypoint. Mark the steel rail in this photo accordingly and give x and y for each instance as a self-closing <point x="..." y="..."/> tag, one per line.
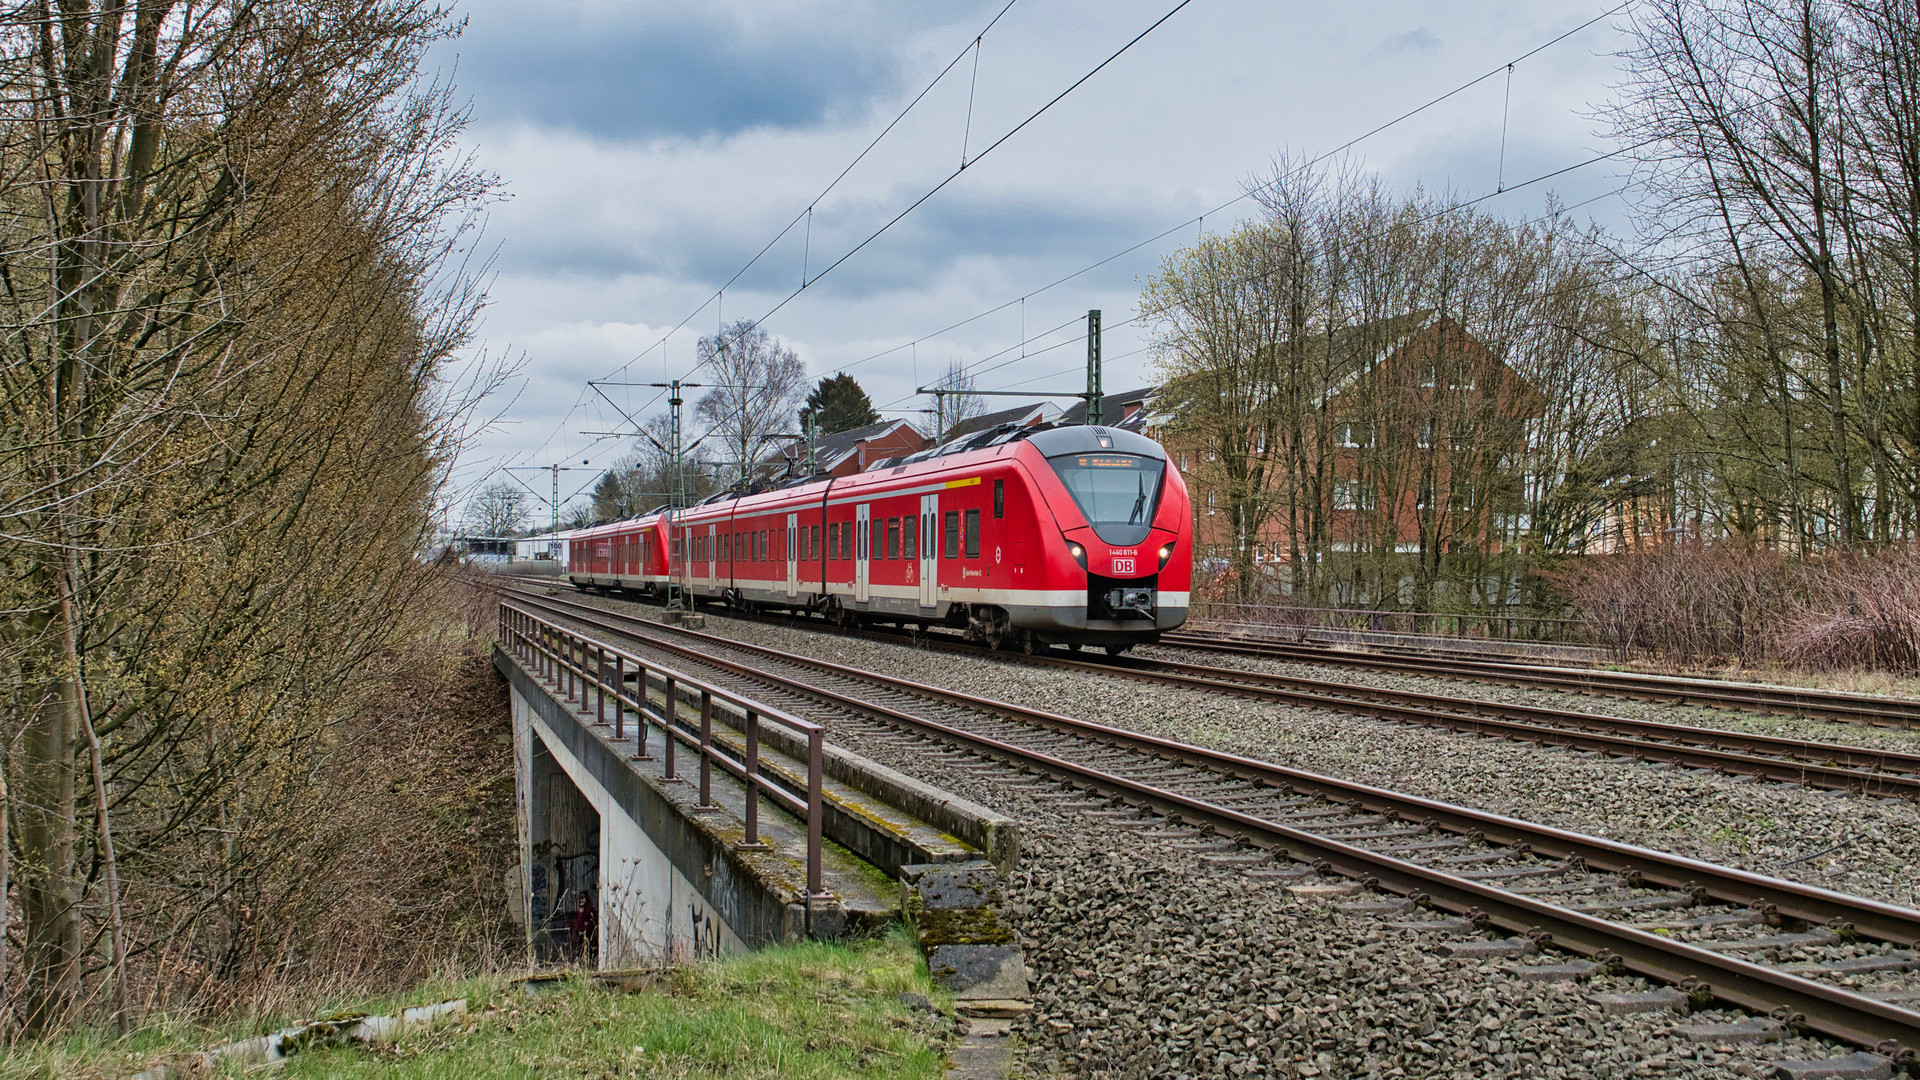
<point x="1716" y="693"/>
<point x="1830" y="1010"/>
<point x="1835" y="766"/>
<point x="1807" y="903"/>
<point x="1822" y="764"/>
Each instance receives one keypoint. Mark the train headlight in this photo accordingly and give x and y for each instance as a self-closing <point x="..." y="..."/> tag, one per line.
<point x="1166" y="552"/>
<point x="1079" y="554"/>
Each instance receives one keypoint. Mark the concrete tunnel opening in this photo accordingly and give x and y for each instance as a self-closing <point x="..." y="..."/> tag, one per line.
<point x="564" y="836"/>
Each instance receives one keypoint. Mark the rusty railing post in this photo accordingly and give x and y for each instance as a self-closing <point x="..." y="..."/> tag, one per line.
<point x="816" y="760"/>
<point x="752" y="785"/>
<point x="600" y="685"/>
<point x="619" y="696"/>
<point x="668" y="713"/>
<point x="640" y="715"/>
<point x="706" y="752"/>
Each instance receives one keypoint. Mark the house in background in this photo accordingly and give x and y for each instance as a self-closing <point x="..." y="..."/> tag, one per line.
<point x="844" y="453"/>
<point x="1412" y="449"/>
<point x="1129" y="410"/>
<point x="1024" y="415"/>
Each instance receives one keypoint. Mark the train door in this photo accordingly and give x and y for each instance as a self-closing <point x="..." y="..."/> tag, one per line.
<point x="929" y="554"/>
<point x="713" y="553"/>
<point x="793" y="554"/>
<point x="862" y="517"/>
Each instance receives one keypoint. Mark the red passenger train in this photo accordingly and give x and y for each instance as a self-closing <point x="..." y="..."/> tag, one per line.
<point x="1026" y="536"/>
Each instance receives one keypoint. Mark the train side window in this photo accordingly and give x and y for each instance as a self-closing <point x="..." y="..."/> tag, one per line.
<point x="833" y="540"/>
<point x="950" y="525"/>
<point x="973" y="534"/>
<point x="877" y="545"/>
<point x="910" y="542"/>
<point x="764" y="544"/>
<point x="893" y="538"/>
<point x="999" y="498"/>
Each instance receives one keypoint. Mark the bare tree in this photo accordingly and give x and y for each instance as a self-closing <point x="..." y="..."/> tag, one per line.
<point x="500" y="509"/>
<point x="757" y="384"/>
<point x="221" y="229"/>
<point x="956" y="403"/>
<point x="1742" y="113"/>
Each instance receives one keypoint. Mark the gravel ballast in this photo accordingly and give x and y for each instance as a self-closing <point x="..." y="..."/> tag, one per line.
<point x="1850" y="843"/>
<point x="1149" y="962"/>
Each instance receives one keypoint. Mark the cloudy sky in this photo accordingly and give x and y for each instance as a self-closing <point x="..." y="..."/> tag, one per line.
<point x="648" y="151"/>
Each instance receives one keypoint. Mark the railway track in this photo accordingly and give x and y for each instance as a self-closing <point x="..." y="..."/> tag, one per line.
<point x="1715" y="693"/>
<point x="1835" y="964"/>
<point x="1833" y="766"/>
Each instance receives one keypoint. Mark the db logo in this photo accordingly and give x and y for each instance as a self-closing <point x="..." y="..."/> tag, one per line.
<point x="1123" y="566"/>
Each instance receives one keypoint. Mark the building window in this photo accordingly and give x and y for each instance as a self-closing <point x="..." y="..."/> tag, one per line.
<point x="1425" y="440"/>
<point x="973" y="534"/>
<point x="1353" y="436"/>
<point x="950" y="540"/>
<point x="999" y="498"/>
<point x="1353" y="495"/>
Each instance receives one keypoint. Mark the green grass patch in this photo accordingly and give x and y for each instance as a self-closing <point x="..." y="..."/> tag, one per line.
<point x="802" y="1011"/>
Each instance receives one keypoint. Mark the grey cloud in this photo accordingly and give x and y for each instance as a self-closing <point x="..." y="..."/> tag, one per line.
<point x="641" y="74"/>
<point x="1418" y="39"/>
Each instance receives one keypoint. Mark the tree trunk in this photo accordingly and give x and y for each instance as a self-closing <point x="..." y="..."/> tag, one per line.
<point x="49" y="886"/>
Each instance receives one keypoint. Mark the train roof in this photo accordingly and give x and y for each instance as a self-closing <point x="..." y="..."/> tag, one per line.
<point x="1049" y="439"/>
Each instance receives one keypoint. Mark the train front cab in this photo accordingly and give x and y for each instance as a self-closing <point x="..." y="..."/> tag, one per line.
<point x="1122" y="513"/>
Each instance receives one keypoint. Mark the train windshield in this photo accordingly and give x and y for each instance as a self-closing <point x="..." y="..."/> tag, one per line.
<point x="1117" y="492"/>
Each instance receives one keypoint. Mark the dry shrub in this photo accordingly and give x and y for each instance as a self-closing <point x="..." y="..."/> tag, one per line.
<point x="1687" y="605"/>
<point x="1701" y="604"/>
<point x="1857" y="611"/>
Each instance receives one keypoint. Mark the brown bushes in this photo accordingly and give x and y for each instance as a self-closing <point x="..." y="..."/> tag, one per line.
<point x="1694" y="605"/>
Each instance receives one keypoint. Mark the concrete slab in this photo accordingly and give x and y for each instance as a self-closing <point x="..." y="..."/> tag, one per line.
<point x="1572" y="971"/>
<point x="1324" y="890"/>
<point x="1479" y="949"/>
<point x="981" y="1056"/>
<point x="1860" y="1066"/>
<point x="1819" y="936"/>
<point x="1753" y="1029"/>
<point x="1646" y="1001"/>
<point x="984" y="972"/>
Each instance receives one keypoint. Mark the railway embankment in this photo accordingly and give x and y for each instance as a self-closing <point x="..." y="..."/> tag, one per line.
<point x="1158" y="944"/>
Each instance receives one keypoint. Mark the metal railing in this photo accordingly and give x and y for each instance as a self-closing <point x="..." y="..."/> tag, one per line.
<point x="596" y="676"/>
<point x="1482" y="625"/>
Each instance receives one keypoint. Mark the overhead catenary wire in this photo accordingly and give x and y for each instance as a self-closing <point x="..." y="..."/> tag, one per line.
<point x="805" y="214"/>
<point x="1196" y="221"/>
<point x="917" y="203"/>
<point x="1199" y="220"/>
<point x="1453" y="207"/>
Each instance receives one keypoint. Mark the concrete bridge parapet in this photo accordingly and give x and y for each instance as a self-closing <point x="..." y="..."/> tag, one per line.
<point x="668" y="877"/>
